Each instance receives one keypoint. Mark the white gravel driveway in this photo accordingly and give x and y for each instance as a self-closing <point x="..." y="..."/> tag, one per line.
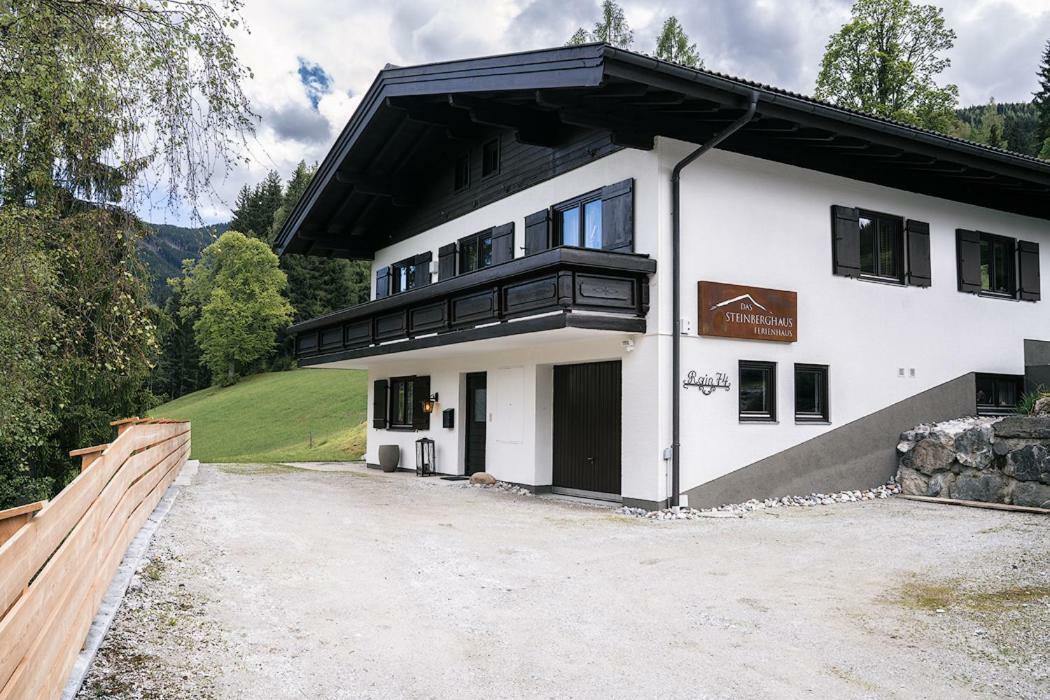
<point x="271" y="582"/>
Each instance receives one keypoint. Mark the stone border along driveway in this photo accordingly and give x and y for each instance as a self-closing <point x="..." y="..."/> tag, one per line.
<point x="272" y="581"/>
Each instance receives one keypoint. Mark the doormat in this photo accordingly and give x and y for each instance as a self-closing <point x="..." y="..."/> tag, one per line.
<point x="457" y="477"/>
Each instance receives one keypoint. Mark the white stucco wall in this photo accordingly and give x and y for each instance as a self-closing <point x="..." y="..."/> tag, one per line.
<point x="519" y="389"/>
<point x="754" y="222"/>
<point x="744" y="221"/>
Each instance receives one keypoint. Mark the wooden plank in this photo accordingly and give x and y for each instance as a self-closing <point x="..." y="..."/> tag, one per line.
<point x="22" y="510"/>
<point x="88" y="455"/>
<point x="978" y="504"/>
<point x="52" y="668"/>
<point x="88" y="450"/>
<point x="12" y="519"/>
<point x="73" y="563"/>
<point x="62" y="600"/>
<point x="23" y="555"/>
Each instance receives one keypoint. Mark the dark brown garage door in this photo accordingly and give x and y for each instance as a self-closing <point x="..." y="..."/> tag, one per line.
<point x="587" y="427"/>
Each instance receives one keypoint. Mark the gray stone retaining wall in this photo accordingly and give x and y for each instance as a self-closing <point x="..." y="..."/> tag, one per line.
<point x="1003" y="460"/>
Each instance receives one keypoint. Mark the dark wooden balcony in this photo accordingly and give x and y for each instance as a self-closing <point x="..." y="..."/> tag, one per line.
<point x="558" y="288"/>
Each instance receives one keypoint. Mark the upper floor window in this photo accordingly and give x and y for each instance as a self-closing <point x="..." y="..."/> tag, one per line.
<point x="490" y="158"/>
<point x="475" y="252"/>
<point x="462" y="173"/>
<point x="997" y="265"/>
<point x="578" y="222"/>
<point x="403" y="275"/>
<point x="881" y="246"/>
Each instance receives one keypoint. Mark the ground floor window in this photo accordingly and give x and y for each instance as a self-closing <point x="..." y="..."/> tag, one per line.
<point x="401" y="402"/>
<point x="757" y="387"/>
<point x="998" y="394"/>
<point x="811" y="393"/>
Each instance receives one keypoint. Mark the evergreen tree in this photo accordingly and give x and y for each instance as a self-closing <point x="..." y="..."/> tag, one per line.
<point x="673" y="45"/>
<point x="1020" y="125"/>
<point x="242" y="209"/>
<point x="179" y="370"/>
<point x="611" y="29"/>
<point x="316" y="286"/>
<point x="885" y="61"/>
<point x="1042" y="97"/>
<point x="253" y="213"/>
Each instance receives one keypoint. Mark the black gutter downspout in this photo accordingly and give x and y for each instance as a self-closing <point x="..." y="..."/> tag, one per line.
<point x="676" y="292"/>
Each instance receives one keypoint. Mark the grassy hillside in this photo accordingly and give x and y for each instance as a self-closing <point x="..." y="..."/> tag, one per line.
<point x="298" y="416"/>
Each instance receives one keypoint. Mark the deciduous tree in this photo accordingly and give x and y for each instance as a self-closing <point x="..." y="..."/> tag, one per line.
<point x="992" y="130"/>
<point x="886" y="61"/>
<point x="102" y="102"/>
<point x="236" y="290"/>
<point x="611" y="28"/>
<point x="673" y="45"/>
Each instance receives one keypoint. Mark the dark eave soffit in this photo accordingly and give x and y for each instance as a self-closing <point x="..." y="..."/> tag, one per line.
<point x="537" y="93"/>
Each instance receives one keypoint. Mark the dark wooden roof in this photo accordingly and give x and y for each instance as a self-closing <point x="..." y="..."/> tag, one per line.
<point x="409" y="114"/>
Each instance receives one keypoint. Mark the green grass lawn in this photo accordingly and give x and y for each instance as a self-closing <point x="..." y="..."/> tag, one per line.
<point x="299" y="416"/>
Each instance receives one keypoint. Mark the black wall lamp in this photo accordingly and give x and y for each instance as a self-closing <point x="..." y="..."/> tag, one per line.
<point x="428" y="403"/>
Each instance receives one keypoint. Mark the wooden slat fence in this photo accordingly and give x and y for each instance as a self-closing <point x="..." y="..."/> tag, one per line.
<point x="56" y="566"/>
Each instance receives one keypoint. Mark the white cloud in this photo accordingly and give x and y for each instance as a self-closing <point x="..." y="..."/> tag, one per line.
<point x="774" y="41"/>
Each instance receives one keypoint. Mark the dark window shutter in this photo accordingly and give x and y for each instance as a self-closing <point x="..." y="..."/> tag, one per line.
<point x="422" y="263"/>
<point x="618" y="216"/>
<point x="379" y="404"/>
<point x="1028" y="271"/>
<point x="446" y="261"/>
<point x="382" y="282"/>
<point x="918" y="253"/>
<point x="968" y="260"/>
<point x="503" y="243"/>
<point x="845" y="241"/>
<point x="420" y="393"/>
<point x="537" y="232"/>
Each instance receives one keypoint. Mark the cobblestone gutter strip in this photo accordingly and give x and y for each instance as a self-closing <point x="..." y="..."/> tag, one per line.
<point x="119" y="585"/>
<point x="738" y="510"/>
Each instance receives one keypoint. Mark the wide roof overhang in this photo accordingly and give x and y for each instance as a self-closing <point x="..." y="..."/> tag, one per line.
<point x="409" y="115"/>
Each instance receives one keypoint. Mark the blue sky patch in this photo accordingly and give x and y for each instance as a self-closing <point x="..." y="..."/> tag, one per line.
<point x="315" y="80"/>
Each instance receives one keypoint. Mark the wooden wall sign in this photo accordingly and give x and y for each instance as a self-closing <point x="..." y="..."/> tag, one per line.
<point x="749" y="313"/>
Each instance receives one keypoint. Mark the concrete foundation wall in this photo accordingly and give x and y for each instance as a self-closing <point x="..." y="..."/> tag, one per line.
<point x="858" y="455"/>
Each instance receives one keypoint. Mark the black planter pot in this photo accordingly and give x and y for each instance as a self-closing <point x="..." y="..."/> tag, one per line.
<point x="389" y="457"/>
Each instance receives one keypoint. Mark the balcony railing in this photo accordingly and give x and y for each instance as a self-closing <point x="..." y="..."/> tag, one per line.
<point x="537" y="292"/>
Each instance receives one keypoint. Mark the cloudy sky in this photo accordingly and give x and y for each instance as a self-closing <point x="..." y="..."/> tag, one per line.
<point x="312" y="59"/>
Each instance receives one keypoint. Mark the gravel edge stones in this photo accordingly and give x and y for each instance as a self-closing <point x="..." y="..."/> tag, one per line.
<point x="738" y="510"/>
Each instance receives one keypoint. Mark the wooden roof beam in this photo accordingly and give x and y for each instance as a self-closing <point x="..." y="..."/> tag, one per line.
<point x="531" y="126"/>
<point x="456" y="124"/>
